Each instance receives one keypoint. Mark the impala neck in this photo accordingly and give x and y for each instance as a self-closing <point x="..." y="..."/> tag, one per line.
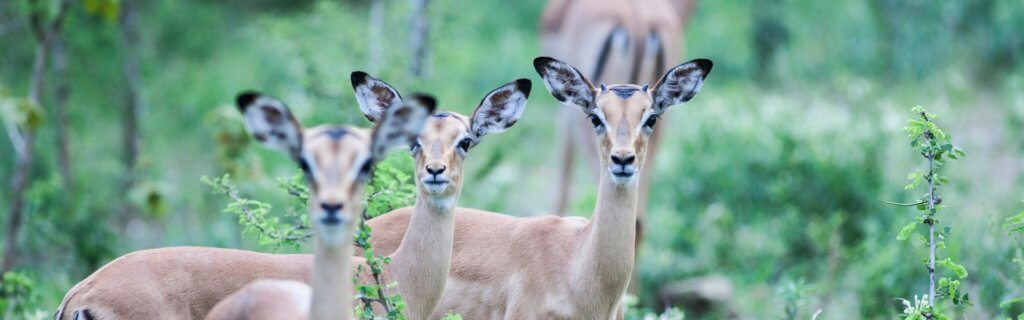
<point x="332" y="281"/>
<point x="422" y="260"/>
<point x="606" y="260"/>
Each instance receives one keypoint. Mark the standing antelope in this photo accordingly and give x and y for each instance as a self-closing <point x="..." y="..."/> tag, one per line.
<point x="186" y="282"/>
<point x="506" y="267"/>
<point x="421" y="262"/>
<point x="611" y="41"/>
<point x="337" y="162"/>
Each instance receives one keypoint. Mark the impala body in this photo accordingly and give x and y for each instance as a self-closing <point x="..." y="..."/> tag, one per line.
<point x="550" y="267"/>
<point x="161" y="283"/>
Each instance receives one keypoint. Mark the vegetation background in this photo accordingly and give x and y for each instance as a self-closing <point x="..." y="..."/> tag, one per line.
<point x="771" y="180"/>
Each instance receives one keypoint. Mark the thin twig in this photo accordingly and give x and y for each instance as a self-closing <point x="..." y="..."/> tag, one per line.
<point x="930" y="217"/>
<point x="931" y="230"/>
<point x="904" y="204"/>
<point x="250" y="216"/>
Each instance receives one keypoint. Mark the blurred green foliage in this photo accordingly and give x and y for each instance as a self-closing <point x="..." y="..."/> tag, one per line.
<point x="775" y="172"/>
<point x="18" y="297"/>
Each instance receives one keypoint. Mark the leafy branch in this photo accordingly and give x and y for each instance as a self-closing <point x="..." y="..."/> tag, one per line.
<point x="377" y="291"/>
<point x="254" y="216"/>
<point x="390" y="188"/>
<point x="1015" y="224"/>
<point x="934" y="145"/>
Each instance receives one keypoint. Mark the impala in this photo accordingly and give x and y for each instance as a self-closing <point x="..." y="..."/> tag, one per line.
<point x="612" y="41"/>
<point x="337" y="162"/>
<point x="421" y="262"/>
<point x="549" y="267"/>
<point x="186" y="282"/>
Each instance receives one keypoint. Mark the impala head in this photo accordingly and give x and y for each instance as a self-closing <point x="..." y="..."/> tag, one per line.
<point x="337" y="160"/>
<point x="447" y="137"/>
<point x="623" y="115"/>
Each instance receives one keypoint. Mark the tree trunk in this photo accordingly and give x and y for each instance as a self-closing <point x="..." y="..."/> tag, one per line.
<point x="132" y="105"/>
<point x="61" y="95"/>
<point x="22" y="135"/>
<point x="418" y="37"/>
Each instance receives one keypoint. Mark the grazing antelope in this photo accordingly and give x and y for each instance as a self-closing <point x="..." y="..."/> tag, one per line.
<point x="337" y="162"/>
<point x="421" y="262"/>
<point x="549" y="267"/>
<point x="186" y="282"/>
<point x="611" y="41"/>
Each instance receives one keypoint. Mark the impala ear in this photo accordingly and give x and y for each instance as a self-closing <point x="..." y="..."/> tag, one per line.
<point x="501" y="108"/>
<point x="374" y="96"/>
<point x="566" y="83"/>
<point x="680" y="84"/>
<point x="401" y="124"/>
<point x="270" y="122"/>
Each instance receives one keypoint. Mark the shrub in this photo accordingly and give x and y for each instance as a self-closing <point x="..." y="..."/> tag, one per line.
<point x="927" y="139"/>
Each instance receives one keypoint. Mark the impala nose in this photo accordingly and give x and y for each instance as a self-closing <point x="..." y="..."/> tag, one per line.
<point x="623" y="159"/>
<point x="332" y="213"/>
<point x="331" y="207"/>
<point x="436" y="169"/>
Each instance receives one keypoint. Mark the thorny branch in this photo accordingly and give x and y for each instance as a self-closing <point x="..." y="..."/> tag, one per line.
<point x="930" y="219"/>
<point x="250" y="216"/>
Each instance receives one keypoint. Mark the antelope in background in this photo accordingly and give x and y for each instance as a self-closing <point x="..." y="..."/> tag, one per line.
<point x="610" y="41"/>
<point x="549" y="267"/>
<point x="421" y="262"/>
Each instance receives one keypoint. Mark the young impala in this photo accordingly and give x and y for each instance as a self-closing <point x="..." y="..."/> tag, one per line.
<point x="337" y="162"/>
<point x="506" y="267"/>
<point x="421" y="262"/>
<point x="611" y="41"/>
<point x="186" y="282"/>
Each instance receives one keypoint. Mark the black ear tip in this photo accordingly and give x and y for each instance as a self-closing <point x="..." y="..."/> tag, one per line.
<point x="524" y="86"/>
<point x="245" y="98"/>
<point x="428" y="101"/>
<point x="359" y="78"/>
<point x="704" y="64"/>
<point x="542" y="62"/>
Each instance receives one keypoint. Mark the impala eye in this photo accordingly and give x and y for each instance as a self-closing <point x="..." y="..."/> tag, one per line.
<point x="651" y="121"/>
<point x="304" y="165"/>
<point x="414" y="147"/>
<point x="595" y="121"/>
<point x="465" y="144"/>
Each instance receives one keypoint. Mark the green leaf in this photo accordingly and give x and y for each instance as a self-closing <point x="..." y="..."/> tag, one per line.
<point x="959" y="270"/>
<point x="905" y="232"/>
<point x="1008" y="303"/>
